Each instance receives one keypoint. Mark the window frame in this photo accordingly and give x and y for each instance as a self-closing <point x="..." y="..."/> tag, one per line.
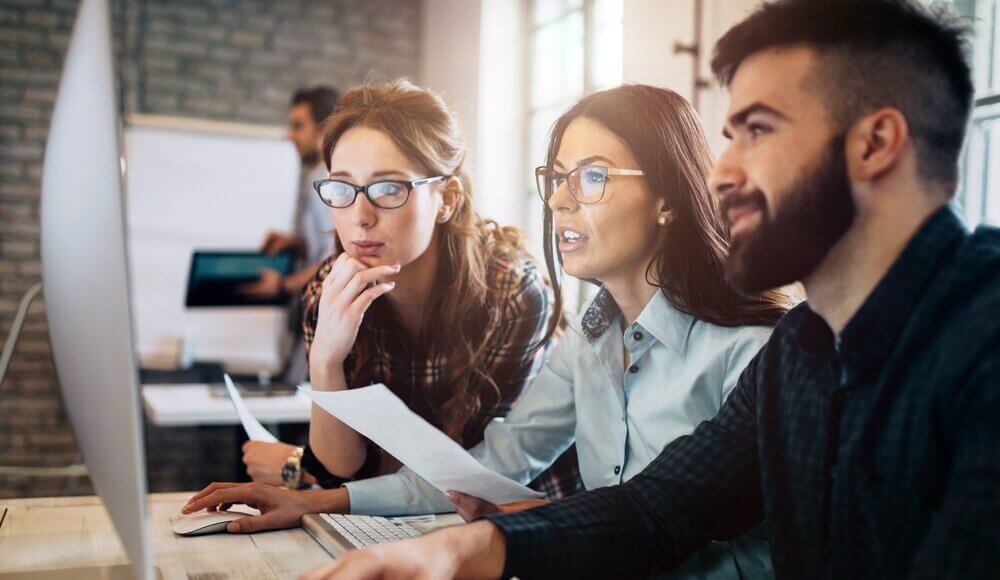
<point x="576" y="294"/>
<point x="974" y="194"/>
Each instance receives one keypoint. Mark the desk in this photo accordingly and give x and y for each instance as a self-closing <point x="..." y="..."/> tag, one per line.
<point x="75" y="532"/>
<point x="193" y="405"/>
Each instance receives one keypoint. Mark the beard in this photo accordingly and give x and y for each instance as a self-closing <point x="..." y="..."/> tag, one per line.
<point x="796" y="235"/>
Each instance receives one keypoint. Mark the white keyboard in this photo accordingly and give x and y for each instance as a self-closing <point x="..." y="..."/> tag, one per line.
<point x="362" y="531"/>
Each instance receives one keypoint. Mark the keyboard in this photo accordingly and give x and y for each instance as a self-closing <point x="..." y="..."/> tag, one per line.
<point x="347" y="532"/>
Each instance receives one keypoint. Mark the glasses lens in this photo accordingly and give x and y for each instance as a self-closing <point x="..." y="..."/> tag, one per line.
<point x="336" y="193"/>
<point x="588" y="183"/>
<point x="387" y="194"/>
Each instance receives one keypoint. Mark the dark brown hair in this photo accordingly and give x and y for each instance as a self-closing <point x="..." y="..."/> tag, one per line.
<point x="873" y="54"/>
<point x="321" y="99"/>
<point x="664" y="134"/>
<point x="426" y="131"/>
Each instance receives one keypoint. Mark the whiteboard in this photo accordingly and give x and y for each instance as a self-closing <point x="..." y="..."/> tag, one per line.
<point x="203" y="186"/>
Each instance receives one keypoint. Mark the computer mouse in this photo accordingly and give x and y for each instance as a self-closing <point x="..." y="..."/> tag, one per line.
<point x="201" y="523"/>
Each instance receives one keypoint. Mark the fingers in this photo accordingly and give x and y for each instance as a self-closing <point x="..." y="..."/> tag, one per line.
<point x="255" y="289"/>
<point x="362" y="280"/>
<point x="356" y="565"/>
<point x="211" y="488"/>
<point x="251" y="524"/>
<point x="269" y="240"/>
<point x="343" y="277"/>
<point x="361" y="303"/>
<point x="344" y="267"/>
<point x="519" y="506"/>
<point x="470" y="507"/>
<point x="235" y="493"/>
<point x="347" y="280"/>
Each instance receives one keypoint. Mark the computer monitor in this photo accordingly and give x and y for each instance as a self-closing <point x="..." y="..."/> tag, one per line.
<point x="86" y="282"/>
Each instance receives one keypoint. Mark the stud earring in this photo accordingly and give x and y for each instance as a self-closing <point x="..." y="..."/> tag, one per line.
<point x="662" y="220"/>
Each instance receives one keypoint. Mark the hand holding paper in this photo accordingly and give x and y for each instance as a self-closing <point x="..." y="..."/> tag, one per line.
<point x="381" y="416"/>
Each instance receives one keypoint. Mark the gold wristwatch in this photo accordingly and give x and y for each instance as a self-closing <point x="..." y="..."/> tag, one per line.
<point x="291" y="473"/>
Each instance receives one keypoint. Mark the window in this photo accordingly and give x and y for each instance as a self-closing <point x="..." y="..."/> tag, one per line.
<point x="980" y="191"/>
<point x="575" y="49"/>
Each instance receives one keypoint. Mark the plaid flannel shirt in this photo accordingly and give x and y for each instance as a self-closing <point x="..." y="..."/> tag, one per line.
<point x="418" y="376"/>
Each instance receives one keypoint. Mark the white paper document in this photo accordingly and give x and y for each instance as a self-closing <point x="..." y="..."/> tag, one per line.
<point x="255" y="431"/>
<point x="381" y="416"/>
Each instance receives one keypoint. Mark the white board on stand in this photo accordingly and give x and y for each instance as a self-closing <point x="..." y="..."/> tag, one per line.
<point x="208" y="186"/>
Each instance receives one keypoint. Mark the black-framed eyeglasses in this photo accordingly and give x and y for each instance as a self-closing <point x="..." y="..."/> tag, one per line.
<point x="382" y="194"/>
<point x="586" y="183"/>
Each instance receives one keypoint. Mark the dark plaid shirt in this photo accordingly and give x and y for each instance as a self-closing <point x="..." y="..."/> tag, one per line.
<point x="418" y="376"/>
<point x="877" y="456"/>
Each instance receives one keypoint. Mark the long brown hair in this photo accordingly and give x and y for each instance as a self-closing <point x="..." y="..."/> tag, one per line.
<point x="426" y="131"/>
<point x="664" y="133"/>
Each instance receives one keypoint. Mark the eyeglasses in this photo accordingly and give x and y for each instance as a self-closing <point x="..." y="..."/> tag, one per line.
<point x="381" y="194"/>
<point x="586" y="183"/>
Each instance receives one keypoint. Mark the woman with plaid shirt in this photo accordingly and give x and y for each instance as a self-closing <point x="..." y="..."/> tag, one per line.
<point x="445" y="308"/>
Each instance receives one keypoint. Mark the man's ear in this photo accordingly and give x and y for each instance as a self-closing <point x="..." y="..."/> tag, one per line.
<point x="877" y="144"/>
<point x="452" y="195"/>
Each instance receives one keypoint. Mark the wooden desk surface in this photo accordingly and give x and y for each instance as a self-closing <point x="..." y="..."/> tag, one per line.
<point x="72" y="532"/>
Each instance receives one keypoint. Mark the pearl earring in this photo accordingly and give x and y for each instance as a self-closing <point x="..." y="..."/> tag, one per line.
<point x="662" y="220"/>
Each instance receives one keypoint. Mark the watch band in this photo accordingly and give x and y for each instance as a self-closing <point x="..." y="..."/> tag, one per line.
<point x="327" y="480"/>
<point x="291" y="473"/>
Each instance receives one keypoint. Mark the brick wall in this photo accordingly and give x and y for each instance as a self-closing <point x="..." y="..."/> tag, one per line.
<point x="222" y="59"/>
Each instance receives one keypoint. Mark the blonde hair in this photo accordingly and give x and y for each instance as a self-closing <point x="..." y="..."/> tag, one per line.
<point x="423" y="127"/>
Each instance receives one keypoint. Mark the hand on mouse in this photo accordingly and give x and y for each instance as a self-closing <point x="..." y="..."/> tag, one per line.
<point x="279" y="507"/>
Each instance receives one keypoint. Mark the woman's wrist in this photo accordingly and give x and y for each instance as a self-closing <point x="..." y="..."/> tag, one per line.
<point x="327" y="378"/>
<point x="308" y="478"/>
<point x="329" y="501"/>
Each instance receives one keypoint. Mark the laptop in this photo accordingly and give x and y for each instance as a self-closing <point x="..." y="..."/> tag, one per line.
<point x="216" y="278"/>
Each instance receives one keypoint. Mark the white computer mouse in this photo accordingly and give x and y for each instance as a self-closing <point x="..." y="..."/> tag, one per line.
<point x="201" y="523"/>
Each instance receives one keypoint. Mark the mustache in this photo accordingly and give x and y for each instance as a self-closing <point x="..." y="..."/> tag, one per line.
<point x="734" y="200"/>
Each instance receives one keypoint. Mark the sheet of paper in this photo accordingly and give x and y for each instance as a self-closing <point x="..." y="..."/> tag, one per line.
<point x="255" y="431"/>
<point x="381" y="416"/>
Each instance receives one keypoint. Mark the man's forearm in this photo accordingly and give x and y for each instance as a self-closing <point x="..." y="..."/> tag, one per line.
<point x="478" y="548"/>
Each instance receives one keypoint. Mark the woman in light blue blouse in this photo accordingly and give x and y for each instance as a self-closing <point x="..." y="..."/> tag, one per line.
<point x="664" y="341"/>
